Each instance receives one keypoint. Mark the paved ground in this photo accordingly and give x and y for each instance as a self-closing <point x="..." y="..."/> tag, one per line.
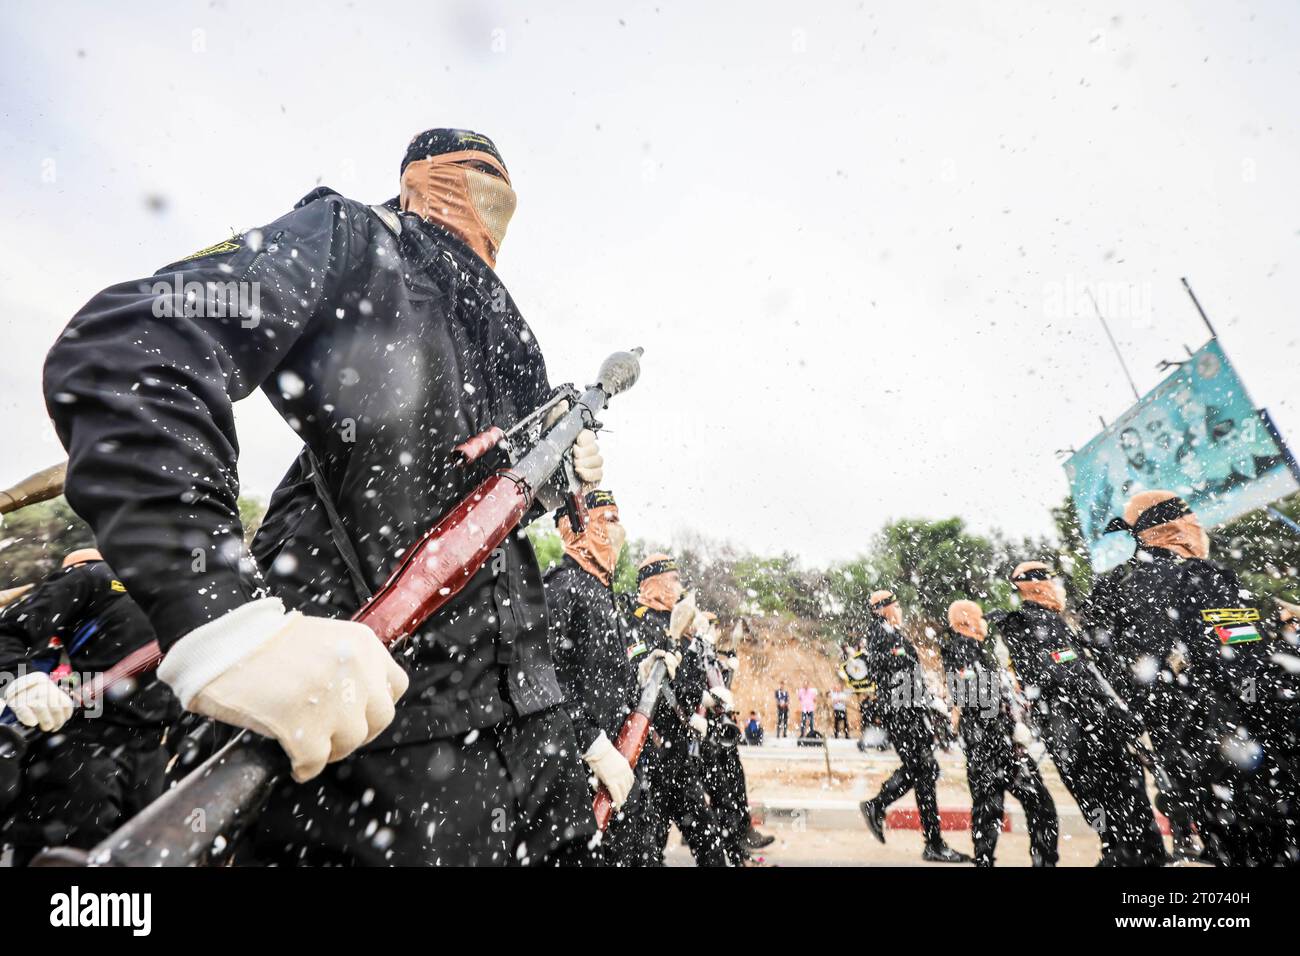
<point x="815" y="818"/>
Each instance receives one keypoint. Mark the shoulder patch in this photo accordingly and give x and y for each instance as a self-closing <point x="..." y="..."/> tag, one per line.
<point x="1230" y="615"/>
<point x="221" y="248"/>
<point x="640" y="611"/>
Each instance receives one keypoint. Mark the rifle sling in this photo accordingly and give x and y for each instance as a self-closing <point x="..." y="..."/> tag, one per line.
<point x="342" y="543"/>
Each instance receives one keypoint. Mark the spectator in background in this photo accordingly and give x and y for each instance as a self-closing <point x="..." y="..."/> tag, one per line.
<point x="782" y="711"/>
<point x="840" y="710"/>
<point x="807" y="701"/>
<point x="754" y="730"/>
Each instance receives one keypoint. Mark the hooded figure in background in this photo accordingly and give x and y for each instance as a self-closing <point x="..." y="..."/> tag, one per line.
<point x="84" y="774"/>
<point x="599" y="682"/>
<point x="997" y="761"/>
<point x="662" y="625"/>
<point x="1085" y="731"/>
<point x="905" y="708"/>
<point x="1193" y="660"/>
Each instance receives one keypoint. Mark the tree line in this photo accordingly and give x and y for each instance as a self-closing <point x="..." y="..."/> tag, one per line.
<point x="927" y="563"/>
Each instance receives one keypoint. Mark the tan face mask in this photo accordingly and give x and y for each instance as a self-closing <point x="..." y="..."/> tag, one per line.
<point x="596" y="550"/>
<point x="661" y="592"/>
<point x="1050" y="594"/>
<point x="446" y="189"/>
<point x="967" y="618"/>
<point x="1184" y="536"/>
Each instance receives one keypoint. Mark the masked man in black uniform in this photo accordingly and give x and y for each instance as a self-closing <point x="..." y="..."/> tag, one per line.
<point x="384" y="337"/>
<point x="724" y="776"/>
<point x="599" y="682"/>
<point x="905" y="711"/>
<point x="661" y="626"/>
<point x="1194" y="662"/>
<point x="997" y="761"/>
<point x="90" y="772"/>
<point x="1084" y="731"/>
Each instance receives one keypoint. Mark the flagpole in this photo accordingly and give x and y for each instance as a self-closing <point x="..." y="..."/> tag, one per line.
<point x="1115" y="345"/>
<point x="1197" y="302"/>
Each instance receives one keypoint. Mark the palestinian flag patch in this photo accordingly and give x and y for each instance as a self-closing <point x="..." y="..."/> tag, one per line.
<point x="898" y="650"/>
<point x="1064" y="656"/>
<point x="1236" y="633"/>
<point x="636" y="649"/>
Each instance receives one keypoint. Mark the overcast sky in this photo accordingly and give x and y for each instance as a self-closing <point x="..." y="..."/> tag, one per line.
<point x="854" y="242"/>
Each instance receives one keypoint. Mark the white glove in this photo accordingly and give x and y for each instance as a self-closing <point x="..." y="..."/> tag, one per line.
<point x="723" y="696"/>
<point x="1022" y="735"/>
<point x="586" y="458"/>
<point x="586" y="453"/>
<point x="730" y="663"/>
<point x="700" y="724"/>
<point x="38" y="701"/>
<point x="670" y="660"/>
<point x="321" y="687"/>
<point x="683" y="616"/>
<point x="611" y="768"/>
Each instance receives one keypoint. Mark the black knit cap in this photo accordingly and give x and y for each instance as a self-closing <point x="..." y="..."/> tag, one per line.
<point x="434" y="142"/>
<point x="655" y="569"/>
<point x="595" y="499"/>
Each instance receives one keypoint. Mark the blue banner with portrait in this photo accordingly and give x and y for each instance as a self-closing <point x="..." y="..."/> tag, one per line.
<point x="1197" y="434"/>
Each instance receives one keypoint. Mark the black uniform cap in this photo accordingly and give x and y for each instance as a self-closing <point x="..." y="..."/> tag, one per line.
<point x="1162" y="512"/>
<point x="656" y="568"/>
<point x="434" y="142"/>
<point x="595" y="499"/>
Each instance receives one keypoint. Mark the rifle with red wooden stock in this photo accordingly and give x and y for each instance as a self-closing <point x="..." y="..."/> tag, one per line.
<point x="228" y="788"/>
<point x="632" y="736"/>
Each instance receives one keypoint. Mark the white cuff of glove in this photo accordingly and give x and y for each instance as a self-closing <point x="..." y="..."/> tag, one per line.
<point x="700" y="725"/>
<point x="722" y="696"/>
<point x="207" y="652"/>
<point x="601" y="746"/>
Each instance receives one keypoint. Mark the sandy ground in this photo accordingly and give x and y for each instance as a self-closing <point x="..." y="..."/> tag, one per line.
<point x="857" y="847"/>
<point x="815" y="820"/>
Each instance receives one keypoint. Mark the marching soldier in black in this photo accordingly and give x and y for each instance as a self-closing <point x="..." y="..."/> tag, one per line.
<point x="1082" y="728"/>
<point x="997" y="762"/>
<point x="661" y="624"/>
<point x="385" y="338"/>
<point x="1196" y="665"/>
<point x="600" y="684"/>
<point x="905" y="712"/>
<point x="724" y="778"/>
<point x="87" y="773"/>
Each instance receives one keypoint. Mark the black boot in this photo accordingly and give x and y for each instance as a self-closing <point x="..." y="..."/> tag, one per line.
<point x="753" y="840"/>
<point x="943" y="853"/>
<point x="875" y="817"/>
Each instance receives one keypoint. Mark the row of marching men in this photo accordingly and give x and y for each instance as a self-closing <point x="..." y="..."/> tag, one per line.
<point x="1170" y="668"/>
<point x="607" y="648"/>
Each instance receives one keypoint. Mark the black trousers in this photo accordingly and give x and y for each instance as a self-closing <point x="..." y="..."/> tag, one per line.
<point x="1088" y="747"/>
<point x="1245" y="810"/>
<point x="995" y="766"/>
<point x="678" y="796"/>
<point x="910" y="734"/>
<point x="724" y="782"/>
<point x="513" y="794"/>
<point x="80" y="786"/>
<point x="783" y="721"/>
<point x="628" y="839"/>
